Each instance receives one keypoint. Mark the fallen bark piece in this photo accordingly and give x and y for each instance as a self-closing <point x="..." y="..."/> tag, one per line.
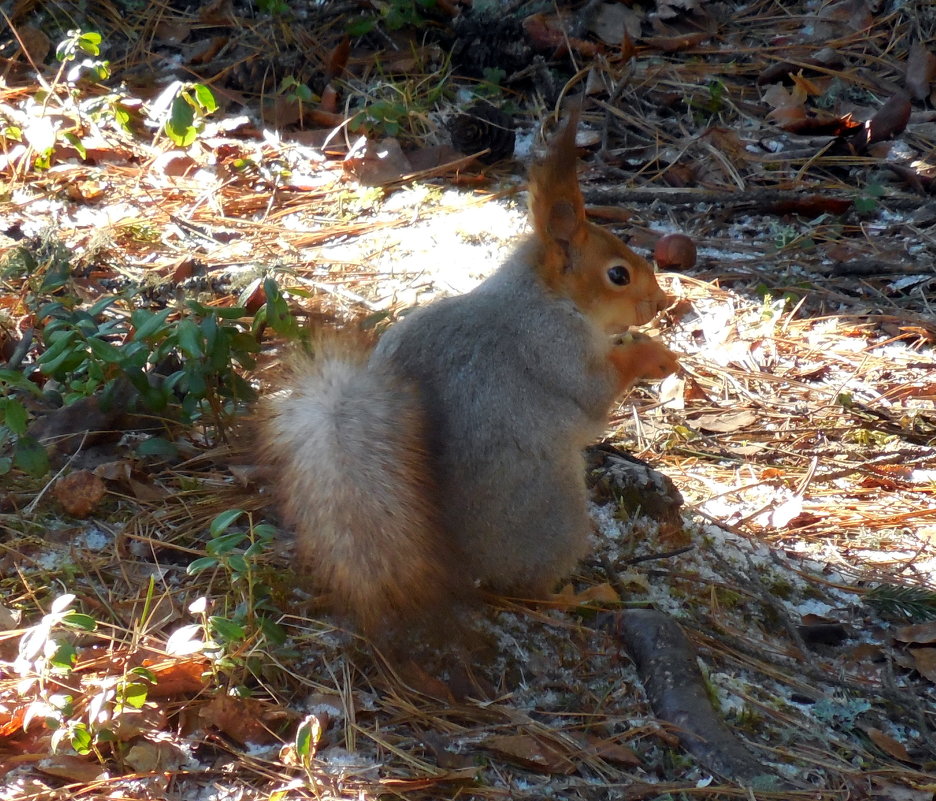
<point x="666" y="662"/>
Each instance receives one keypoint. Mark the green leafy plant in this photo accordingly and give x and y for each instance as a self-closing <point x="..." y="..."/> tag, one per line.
<point x="868" y="200"/>
<point x="43" y="654"/>
<point x="392" y="15"/>
<point x="273" y="7"/>
<point x="44" y="130"/>
<point x="292" y="88"/>
<point x="188" y="104"/>
<point x="237" y="550"/>
<point x="399" y="108"/>
<point x="183" y="362"/>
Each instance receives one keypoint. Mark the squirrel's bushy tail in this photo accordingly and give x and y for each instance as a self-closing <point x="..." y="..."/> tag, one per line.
<point x="353" y="478"/>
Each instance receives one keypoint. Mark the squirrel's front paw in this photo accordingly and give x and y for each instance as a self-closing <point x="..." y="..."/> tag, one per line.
<point x="636" y="356"/>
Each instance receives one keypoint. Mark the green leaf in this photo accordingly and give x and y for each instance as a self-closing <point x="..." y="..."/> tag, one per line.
<point x="179" y="127"/>
<point x="6" y="465"/>
<point x="100" y="305"/>
<point x="146" y="323"/>
<point x="61" y="341"/>
<point x="68" y="357"/>
<point x="134" y="694"/>
<point x="15" y="417"/>
<point x="360" y="26"/>
<point x="221" y="523"/>
<point x="64" y="657"/>
<point x="205" y="97"/>
<point x="77" y="144"/>
<point x="189" y="338"/>
<point x="106" y="352"/>
<point x="31" y="457"/>
<point x="90" y="43"/>
<point x="79" y="621"/>
<point x="274" y="632"/>
<point x="238" y="564"/>
<point x="81" y="739"/>
<point x="143" y="673"/>
<point x="157" y="446"/>
<point x="198" y="565"/>
<point x="225" y="543"/>
<point x="17" y="379"/>
<point x="227" y="630"/>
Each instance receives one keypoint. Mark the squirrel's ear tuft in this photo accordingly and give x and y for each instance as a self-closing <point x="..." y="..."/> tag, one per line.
<point x="556" y="204"/>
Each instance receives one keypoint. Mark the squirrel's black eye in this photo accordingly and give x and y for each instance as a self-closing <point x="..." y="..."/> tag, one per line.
<point x="618" y="275"/>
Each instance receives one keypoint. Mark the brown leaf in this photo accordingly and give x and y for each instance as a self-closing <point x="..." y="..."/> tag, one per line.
<point x="246" y="720"/>
<point x="130" y="723"/>
<point x="329" y="102"/>
<point x="810" y="206"/>
<point x="217" y="12"/>
<point x="808" y="86"/>
<point x="924" y="659"/>
<point x="612" y="22"/>
<point x="599" y="593"/>
<point x="890" y="119"/>
<point x="920" y="633"/>
<point x="921" y="69"/>
<point x="182" y="677"/>
<point x="36" y="44"/>
<point x="546" y="33"/>
<point x="150" y="757"/>
<point x="204" y="52"/>
<point x="338" y="59"/>
<point x="531" y="753"/>
<point x="172" y="32"/>
<point x="724" y="422"/>
<point x="887" y="476"/>
<point x="424" y="682"/>
<point x="611" y="751"/>
<point x="888" y="744"/>
<point x="79" y="493"/>
<point x="75" y="769"/>
<point x="146" y="492"/>
<point x="381" y="163"/>
<point x="12" y="721"/>
<point x="866" y="652"/>
<point x="673" y="44"/>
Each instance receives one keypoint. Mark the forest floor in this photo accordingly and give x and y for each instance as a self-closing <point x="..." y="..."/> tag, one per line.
<point x="168" y="216"/>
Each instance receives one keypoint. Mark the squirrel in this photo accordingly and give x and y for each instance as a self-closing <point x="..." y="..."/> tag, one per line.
<point x="450" y="457"/>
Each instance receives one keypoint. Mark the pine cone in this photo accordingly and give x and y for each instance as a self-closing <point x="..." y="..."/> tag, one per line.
<point x="483" y="126"/>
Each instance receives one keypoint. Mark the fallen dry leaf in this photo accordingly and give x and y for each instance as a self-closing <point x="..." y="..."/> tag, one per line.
<point x="148" y="757"/>
<point x="921" y="633"/>
<point x="73" y="768"/>
<point x="611" y="751"/>
<point x="924" y="660"/>
<point x="178" y="678"/>
<point x="36" y="44"/>
<point x="673" y="44"/>
<point x="130" y="723"/>
<point x="600" y="593"/>
<point x="246" y="720"/>
<point x="531" y="753"/>
<point x="378" y="163"/>
<point x="921" y="69"/>
<point x="724" y="422"/>
<point x="888" y="744"/>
